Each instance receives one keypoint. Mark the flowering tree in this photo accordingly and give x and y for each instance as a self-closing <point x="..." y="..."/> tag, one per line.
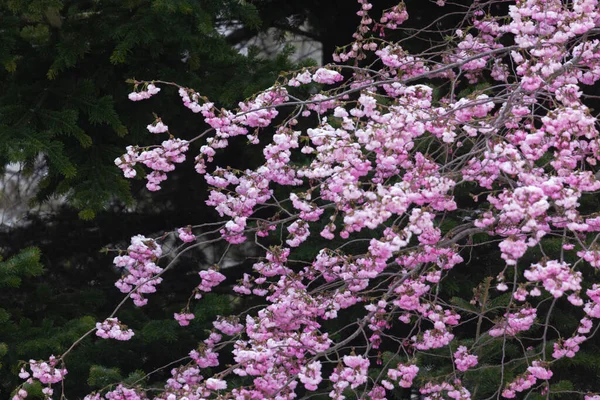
<point x="376" y="176"/>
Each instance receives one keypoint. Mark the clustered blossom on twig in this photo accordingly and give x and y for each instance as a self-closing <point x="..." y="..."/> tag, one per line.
<point x="113" y="329"/>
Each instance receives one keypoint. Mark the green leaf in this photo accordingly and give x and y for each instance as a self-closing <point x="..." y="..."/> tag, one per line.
<point x="462" y="303"/>
<point x="3" y="349"/>
<point x="102" y="376"/>
<point x="562" y="386"/>
<point x="59" y="160"/>
<point x="87" y="214"/>
<point x="499" y="301"/>
<point x="69" y="51"/>
<point x="25" y="264"/>
<point x="64" y="122"/>
<point x="159" y="331"/>
<point x="37" y="35"/>
<point x="4" y="315"/>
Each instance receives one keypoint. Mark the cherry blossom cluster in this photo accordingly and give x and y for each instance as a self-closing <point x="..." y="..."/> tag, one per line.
<point x="394" y="16"/>
<point x="514" y="323"/>
<point x="160" y="160"/>
<point x="150" y="91"/>
<point x="209" y="279"/>
<point x="140" y="270"/>
<point x="353" y="374"/>
<point x="453" y="390"/>
<point x="321" y="75"/>
<point x="535" y="372"/>
<point x="113" y="329"/>
<point x="183" y="318"/>
<point x="186" y="235"/>
<point x="463" y="359"/>
<point x="157" y="127"/>
<point x="119" y="393"/>
<point x="557" y="278"/>
<point x="404" y="373"/>
<point x="255" y="113"/>
<point x="46" y="372"/>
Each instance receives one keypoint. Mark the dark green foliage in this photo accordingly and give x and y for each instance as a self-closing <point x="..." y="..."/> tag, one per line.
<point x="100" y="376"/>
<point x="24" y="265"/>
